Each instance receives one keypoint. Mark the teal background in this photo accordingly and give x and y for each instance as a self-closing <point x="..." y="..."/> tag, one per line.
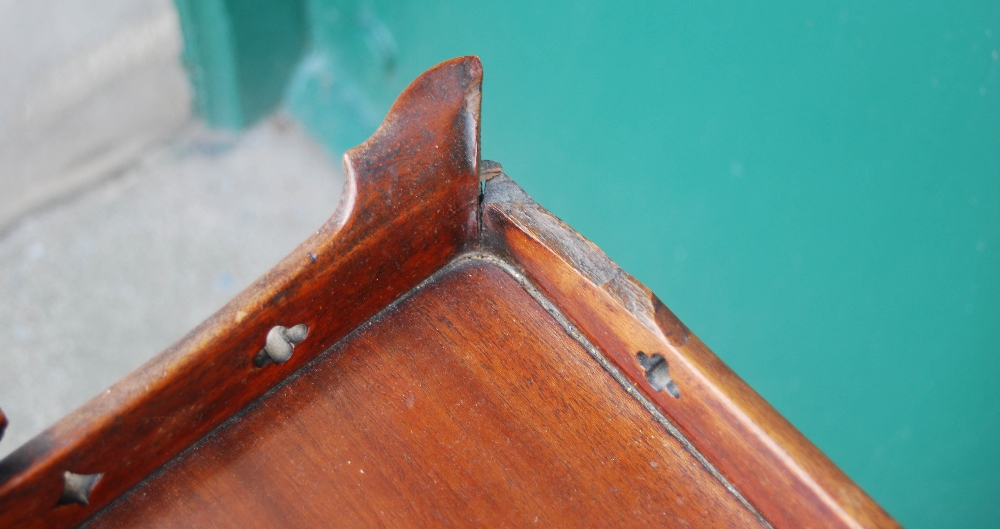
<point x="814" y="189"/>
<point x="240" y="54"/>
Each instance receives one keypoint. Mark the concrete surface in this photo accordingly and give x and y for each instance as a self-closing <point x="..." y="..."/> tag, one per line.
<point x="92" y="288"/>
<point x="86" y="86"/>
<point x="123" y="222"/>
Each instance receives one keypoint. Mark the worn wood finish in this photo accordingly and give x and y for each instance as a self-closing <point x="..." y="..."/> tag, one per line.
<point x="409" y="206"/>
<point x="784" y="476"/>
<point x="466" y="405"/>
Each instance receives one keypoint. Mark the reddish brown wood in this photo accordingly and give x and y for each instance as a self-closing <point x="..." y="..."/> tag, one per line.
<point x="467" y="405"/>
<point x="409" y="206"/>
<point x="784" y="476"/>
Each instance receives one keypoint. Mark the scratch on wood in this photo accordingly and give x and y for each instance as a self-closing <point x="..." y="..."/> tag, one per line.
<point x="586" y="257"/>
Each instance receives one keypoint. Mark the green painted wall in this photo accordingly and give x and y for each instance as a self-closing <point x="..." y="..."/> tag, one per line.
<point x="240" y="55"/>
<point x="814" y="190"/>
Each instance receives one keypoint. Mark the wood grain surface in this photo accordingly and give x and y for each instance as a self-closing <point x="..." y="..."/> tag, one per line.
<point x="466" y="405"/>
<point x="409" y="206"/>
<point x="790" y="481"/>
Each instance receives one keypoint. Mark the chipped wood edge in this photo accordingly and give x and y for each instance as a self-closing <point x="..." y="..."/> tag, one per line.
<point x="790" y="481"/>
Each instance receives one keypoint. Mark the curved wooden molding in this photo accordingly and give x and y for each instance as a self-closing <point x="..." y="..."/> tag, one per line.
<point x="790" y="481"/>
<point x="410" y="205"/>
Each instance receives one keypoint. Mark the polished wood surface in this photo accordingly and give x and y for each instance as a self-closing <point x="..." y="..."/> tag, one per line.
<point x="465" y="406"/>
<point x="409" y="206"/>
<point x="783" y="475"/>
<point x="522" y="375"/>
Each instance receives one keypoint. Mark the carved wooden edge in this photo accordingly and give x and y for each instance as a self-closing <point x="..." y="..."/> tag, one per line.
<point x="786" y="478"/>
<point x="410" y="205"/>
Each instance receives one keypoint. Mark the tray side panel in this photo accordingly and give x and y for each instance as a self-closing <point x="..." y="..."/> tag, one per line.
<point x="790" y="481"/>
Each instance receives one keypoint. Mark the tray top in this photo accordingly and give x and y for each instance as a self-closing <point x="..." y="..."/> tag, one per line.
<point x="466" y="404"/>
